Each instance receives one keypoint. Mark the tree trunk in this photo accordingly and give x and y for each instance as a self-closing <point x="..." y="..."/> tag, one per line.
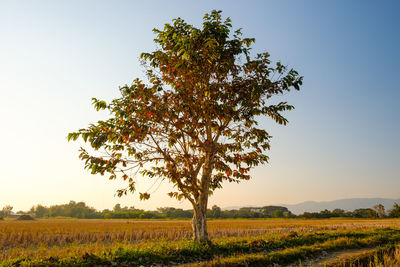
<point x="199" y="223"/>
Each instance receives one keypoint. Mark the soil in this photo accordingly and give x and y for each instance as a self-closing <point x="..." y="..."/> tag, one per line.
<point x="325" y="258"/>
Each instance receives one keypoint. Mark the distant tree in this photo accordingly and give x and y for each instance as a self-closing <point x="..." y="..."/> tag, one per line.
<point x="6" y="211"/>
<point x="216" y="212"/>
<point x="338" y="213"/>
<point x="195" y="122"/>
<point x="230" y="214"/>
<point x="245" y="212"/>
<point x="308" y="215"/>
<point x="325" y="214"/>
<point x="117" y="208"/>
<point x="72" y="209"/>
<point x="175" y="213"/>
<point x="39" y="211"/>
<point x="364" y="213"/>
<point x="380" y="210"/>
<point x="165" y="210"/>
<point x="277" y="214"/>
<point x="395" y="211"/>
<point x="275" y="211"/>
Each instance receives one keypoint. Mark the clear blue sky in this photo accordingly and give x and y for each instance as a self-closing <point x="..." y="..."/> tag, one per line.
<point x="343" y="136"/>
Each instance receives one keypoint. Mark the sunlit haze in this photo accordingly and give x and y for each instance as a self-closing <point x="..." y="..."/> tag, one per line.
<point x="342" y="140"/>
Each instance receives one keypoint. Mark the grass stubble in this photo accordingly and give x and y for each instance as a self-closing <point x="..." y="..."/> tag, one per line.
<point x="382" y="256"/>
<point x="73" y="242"/>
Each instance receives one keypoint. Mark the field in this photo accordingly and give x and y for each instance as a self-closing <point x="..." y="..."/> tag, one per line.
<point x="61" y="242"/>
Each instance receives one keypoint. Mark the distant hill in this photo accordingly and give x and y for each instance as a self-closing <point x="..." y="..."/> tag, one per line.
<point x="234" y="207"/>
<point x="349" y="204"/>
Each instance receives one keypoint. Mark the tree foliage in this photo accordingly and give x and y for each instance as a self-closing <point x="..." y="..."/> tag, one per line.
<point x="72" y="209"/>
<point x="194" y="122"/>
<point x="198" y="102"/>
<point x="380" y="210"/>
<point x="395" y="211"/>
<point x="6" y="211"/>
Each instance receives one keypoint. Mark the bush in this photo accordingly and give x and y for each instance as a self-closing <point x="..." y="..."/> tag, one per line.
<point x="25" y="218"/>
<point x="1" y="218"/>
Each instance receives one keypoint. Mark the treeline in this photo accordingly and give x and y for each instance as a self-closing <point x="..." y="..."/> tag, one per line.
<point x="81" y="210"/>
<point x="72" y="209"/>
<point x="378" y="211"/>
<point x="214" y="212"/>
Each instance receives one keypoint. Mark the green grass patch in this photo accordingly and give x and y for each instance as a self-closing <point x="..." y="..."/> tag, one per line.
<point x="386" y="255"/>
<point x="295" y="254"/>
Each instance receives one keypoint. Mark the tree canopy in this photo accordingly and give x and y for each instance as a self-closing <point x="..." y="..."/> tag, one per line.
<point x="6" y="211"/>
<point x="395" y="211"/>
<point x="194" y="121"/>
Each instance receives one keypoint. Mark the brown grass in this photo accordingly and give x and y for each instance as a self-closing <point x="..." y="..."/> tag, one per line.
<point x="65" y="236"/>
<point x="60" y="232"/>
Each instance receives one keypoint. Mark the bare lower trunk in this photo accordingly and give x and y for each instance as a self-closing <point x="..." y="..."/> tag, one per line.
<point x="200" y="204"/>
<point x="200" y="215"/>
<point x="199" y="224"/>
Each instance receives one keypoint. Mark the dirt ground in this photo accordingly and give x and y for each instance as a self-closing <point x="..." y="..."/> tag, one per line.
<point x="328" y="257"/>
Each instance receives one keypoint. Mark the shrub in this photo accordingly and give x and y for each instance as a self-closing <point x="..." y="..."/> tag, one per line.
<point x="25" y="218"/>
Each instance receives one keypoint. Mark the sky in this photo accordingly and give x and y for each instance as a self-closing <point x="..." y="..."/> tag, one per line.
<point x="342" y="140"/>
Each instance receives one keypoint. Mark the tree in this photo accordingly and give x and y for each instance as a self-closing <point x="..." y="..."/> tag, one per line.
<point x="215" y="211"/>
<point x="6" y="211"/>
<point x="380" y="210"/>
<point x="275" y="211"/>
<point x="395" y="211"/>
<point x="194" y="122"/>
<point x="117" y="208"/>
<point x="39" y="211"/>
<point x="364" y="213"/>
<point x="338" y="213"/>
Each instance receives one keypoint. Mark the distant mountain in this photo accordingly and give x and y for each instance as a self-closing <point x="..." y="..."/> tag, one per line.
<point x="349" y="204"/>
<point x="232" y="208"/>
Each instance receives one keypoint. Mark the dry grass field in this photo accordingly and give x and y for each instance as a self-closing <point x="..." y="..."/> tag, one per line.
<point x="69" y="241"/>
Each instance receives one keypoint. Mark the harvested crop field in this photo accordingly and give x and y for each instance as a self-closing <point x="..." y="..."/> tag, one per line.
<point x="150" y="242"/>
